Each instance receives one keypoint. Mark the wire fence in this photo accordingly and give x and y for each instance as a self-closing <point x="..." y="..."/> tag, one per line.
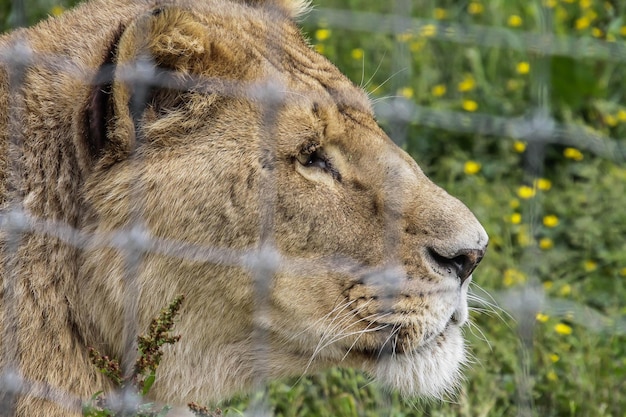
<point x="538" y="127"/>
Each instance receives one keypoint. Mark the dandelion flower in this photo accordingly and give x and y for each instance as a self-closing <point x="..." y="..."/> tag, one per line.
<point x="440" y="13"/>
<point x="565" y="290"/>
<point x="471" y="167"/>
<point x="519" y="146"/>
<point x="475" y="8"/>
<point x="562" y="328"/>
<point x="546" y="243"/>
<point x="428" y="30"/>
<point x="573" y="153"/>
<point x="357" y="53"/>
<point x="57" y="10"/>
<point x="438" y="90"/>
<point x="516" y="218"/>
<point x="515" y="21"/>
<point x="322" y="34"/>
<point x="468" y="84"/>
<point x="513" y="276"/>
<point x="542" y="317"/>
<point x="590" y="265"/>
<point x="469" y="105"/>
<point x="525" y="192"/>
<point x="554" y="357"/>
<point x="406" y="92"/>
<point x="552" y="376"/>
<point x="582" y="23"/>
<point x="550" y="220"/>
<point x="610" y="120"/>
<point x="523" y="68"/>
<point x="543" y="184"/>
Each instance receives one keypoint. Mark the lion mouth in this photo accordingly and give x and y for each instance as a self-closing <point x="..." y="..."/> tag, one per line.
<point x="402" y="341"/>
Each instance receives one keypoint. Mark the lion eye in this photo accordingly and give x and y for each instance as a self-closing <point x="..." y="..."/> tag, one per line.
<point x="314" y="159"/>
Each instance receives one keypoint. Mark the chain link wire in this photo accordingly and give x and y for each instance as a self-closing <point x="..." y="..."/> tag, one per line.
<point x="537" y="127"/>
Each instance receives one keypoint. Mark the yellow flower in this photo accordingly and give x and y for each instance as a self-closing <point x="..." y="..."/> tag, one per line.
<point x="552" y="376"/>
<point x="573" y="153"/>
<point x="515" y="21"/>
<point x="471" y="167"/>
<point x="565" y="290"/>
<point x="516" y="218"/>
<point x="585" y="4"/>
<point x="563" y="329"/>
<point x="519" y="146"/>
<point x="475" y="8"/>
<point x="513" y="84"/>
<point x="542" y="317"/>
<point x="320" y="48"/>
<point x="622" y="31"/>
<point x="550" y="3"/>
<point x="57" y="10"/>
<point x="513" y="276"/>
<point x="524" y="237"/>
<point x="590" y="265"/>
<point x="525" y="192"/>
<point x="543" y="184"/>
<point x="514" y="203"/>
<point x="404" y="37"/>
<point x="440" y="13"/>
<point x="469" y="105"/>
<point x="582" y="23"/>
<point x="406" y="92"/>
<point x="550" y="220"/>
<point x="468" y="84"/>
<point x="438" y="90"/>
<point x="322" y="34"/>
<point x="548" y="285"/>
<point x="610" y="120"/>
<point x="417" y="46"/>
<point x="546" y="243"/>
<point x="357" y="53"/>
<point x="622" y="272"/>
<point x="523" y="67"/>
<point x="428" y="30"/>
<point x="596" y="32"/>
<point x="554" y="357"/>
<point x="621" y="115"/>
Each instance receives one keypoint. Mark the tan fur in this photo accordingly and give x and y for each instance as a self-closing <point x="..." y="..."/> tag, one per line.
<point x="259" y="185"/>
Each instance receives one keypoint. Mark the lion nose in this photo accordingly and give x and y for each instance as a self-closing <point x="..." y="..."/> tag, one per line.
<point x="462" y="262"/>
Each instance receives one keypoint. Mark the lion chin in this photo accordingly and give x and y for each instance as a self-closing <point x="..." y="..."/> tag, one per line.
<point x="204" y="148"/>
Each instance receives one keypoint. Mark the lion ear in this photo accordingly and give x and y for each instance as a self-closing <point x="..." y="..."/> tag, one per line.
<point x="153" y="62"/>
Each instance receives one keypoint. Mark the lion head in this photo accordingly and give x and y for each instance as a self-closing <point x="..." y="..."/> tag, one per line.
<point x="249" y="174"/>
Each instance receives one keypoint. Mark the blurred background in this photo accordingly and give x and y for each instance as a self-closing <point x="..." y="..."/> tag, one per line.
<point x="518" y="108"/>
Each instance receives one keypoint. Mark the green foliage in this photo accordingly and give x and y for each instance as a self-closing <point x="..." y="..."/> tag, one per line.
<point x="144" y="371"/>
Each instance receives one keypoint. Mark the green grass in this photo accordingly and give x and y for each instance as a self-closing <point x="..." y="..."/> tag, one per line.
<point x="557" y="230"/>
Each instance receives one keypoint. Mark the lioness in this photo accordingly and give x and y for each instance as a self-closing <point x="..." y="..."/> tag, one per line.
<point x="153" y="148"/>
